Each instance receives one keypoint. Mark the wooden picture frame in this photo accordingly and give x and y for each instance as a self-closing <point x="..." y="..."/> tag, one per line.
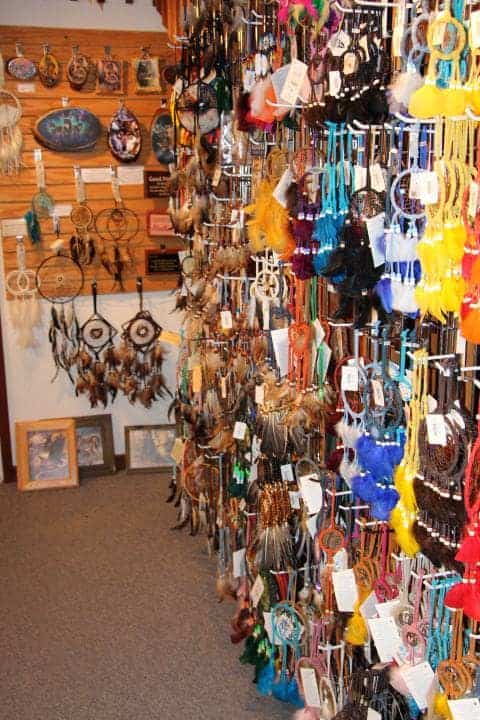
<point x="95" y="453"/>
<point x="159" y="224"/>
<point x="46" y="454"/>
<point x="148" y="447"/>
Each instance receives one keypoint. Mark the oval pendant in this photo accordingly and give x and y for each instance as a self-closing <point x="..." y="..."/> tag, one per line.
<point x="124" y="135"/>
<point x="49" y="69"/>
<point x="21" y="68"/>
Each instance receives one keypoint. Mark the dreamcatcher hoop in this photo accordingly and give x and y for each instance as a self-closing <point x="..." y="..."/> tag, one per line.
<point x="21" y="282"/>
<point x="96" y="332"/>
<point x="59" y="278"/>
<point x="142" y="330"/>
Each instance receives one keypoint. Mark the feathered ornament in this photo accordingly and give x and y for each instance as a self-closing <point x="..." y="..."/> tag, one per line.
<point x="402" y="88"/>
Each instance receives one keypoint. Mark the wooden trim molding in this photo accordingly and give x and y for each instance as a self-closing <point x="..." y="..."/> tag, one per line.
<point x="5" y="438"/>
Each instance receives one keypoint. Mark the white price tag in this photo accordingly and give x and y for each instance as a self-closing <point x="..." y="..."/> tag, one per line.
<point x="216" y="176"/>
<point x="282" y="186"/>
<point x="26" y="87"/>
<point x="61" y="210"/>
<point x="338" y="43"/>
<point x="14" y="226"/>
<point x="319" y="331"/>
<point x="377" y="392"/>
<point x="431" y="404"/>
<point x="239" y="430"/>
<point x="257" y="590"/>
<point x="418" y="679"/>
<point x="223" y="387"/>
<point x="376" y="235"/>
<point x="473" y="194"/>
<point x="239" y="563"/>
<point x="310" y="687"/>
<point x="428" y="187"/>
<point x="226" y="319"/>
<point x="349" y="380"/>
<point x="334" y="82"/>
<point x="405" y="392"/>
<point x="267" y="619"/>
<point x="130" y="174"/>
<point x="340" y="560"/>
<point x="373" y="714"/>
<point x="387" y="609"/>
<point x="312" y="493"/>
<point x="312" y="525"/>
<point x="385" y="636"/>
<point x="280" y="348"/>
<point x="377" y="178"/>
<point x="294" y="499"/>
<point x="260" y="394"/>
<point x="436" y="430"/>
<point x="96" y="175"/>
<point x="359" y="177"/>
<point x="475" y="28"/>
<point x="367" y="608"/>
<point x="345" y="588"/>
<point x="294" y="81"/>
<point x="286" y="472"/>
<point x="466" y="708"/>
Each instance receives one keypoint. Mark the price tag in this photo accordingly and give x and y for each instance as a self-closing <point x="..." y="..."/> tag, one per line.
<point x="310" y="687"/>
<point x="130" y="174"/>
<point x="436" y="430"/>
<point x="387" y="609"/>
<point x="428" y="187"/>
<point x="312" y="493"/>
<point x="226" y="320"/>
<point x="14" y="226"/>
<point x="418" y="679"/>
<point x="334" y="82"/>
<point x="439" y="33"/>
<point x="282" y="186"/>
<point x="61" y="210"/>
<point x="473" y="196"/>
<point x="217" y="175"/>
<point x="257" y="590"/>
<point x="373" y="714"/>
<point x="367" y="608"/>
<point x="359" y="176"/>
<point x="385" y="636"/>
<point x="294" y="499"/>
<point x="475" y="28"/>
<point x="253" y="473"/>
<point x="239" y="563"/>
<point x="349" y="63"/>
<point x="312" y="526"/>
<point x="319" y="331"/>
<point x="345" y="588"/>
<point x="223" y="387"/>
<point x="349" y="380"/>
<point x="340" y="560"/>
<point x="376" y="235"/>
<point x="431" y="404"/>
<point x="96" y="175"/>
<point x="377" y="392"/>
<point x="197" y="379"/>
<point x="466" y="708"/>
<point x="267" y="621"/>
<point x="286" y="472"/>
<point x="414" y="185"/>
<point x="405" y="392"/>
<point x="338" y="43"/>
<point x="260" y="394"/>
<point x="239" y="430"/>
<point x="294" y="81"/>
<point x="377" y="178"/>
<point x="26" y="87"/>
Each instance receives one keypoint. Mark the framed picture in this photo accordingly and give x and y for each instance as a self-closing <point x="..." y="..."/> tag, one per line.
<point x="149" y="447"/>
<point x="95" y="454"/>
<point x="46" y="454"/>
<point x="147" y="74"/>
<point x="159" y="225"/>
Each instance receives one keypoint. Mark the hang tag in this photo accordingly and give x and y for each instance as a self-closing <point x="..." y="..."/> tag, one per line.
<point x="349" y="63"/>
<point x="327" y="354"/>
<point x="79" y="184"/>
<point x="319" y="331"/>
<point x="286" y="472"/>
<point x="260" y="394"/>
<point x="226" y="320"/>
<point x="197" y="379"/>
<point x="266" y="314"/>
<point x="432" y="404"/>
<point x="217" y="176"/>
<point x="310" y="687"/>
<point x="368" y="608"/>
<point x="475" y="28"/>
<point x="359" y="177"/>
<point x="376" y="235"/>
<point x="312" y="526"/>
<point x="473" y="192"/>
<point x="96" y="175"/>
<point x="385" y="636"/>
<point x="345" y="588"/>
<point x="466" y="708"/>
<point x="363" y="43"/>
<point x="253" y="473"/>
<point x="39" y="169"/>
<point x="414" y="185"/>
<point x="377" y="392"/>
<point x="294" y="81"/>
<point x="63" y="210"/>
<point x="373" y="714"/>
<point x="282" y="186"/>
<point x="428" y="188"/>
<point x="405" y="392"/>
<point x="267" y="621"/>
<point x="26" y="87"/>
<point x="439" y="33"/>
<point x="338" y="43"/>
<point x="13" y="226"/>
<point x="455" y="417"/>
<point x="349" y="380"/>
<point x="312" y="492"/>
<point x="239" y="430"/>
<point x="387" y="609"/>
<point x="280" y="348"/>
<point x="239" y="563"/>
<point x="257" y="590"/>
<point x="377" y="178"/>
<point x="461" y="345"/>
<point x="334" y="82"/>
<point x="223" y="387"/>
<point x="177" y="451"/>
<point x="115" y="182"/>
<point x="418" y="679"/>
<point x="436" y="429"/>
<point x="340" y="560"/>
<point x="294" y="499"/>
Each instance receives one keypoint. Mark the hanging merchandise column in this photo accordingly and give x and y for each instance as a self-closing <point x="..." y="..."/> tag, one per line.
<point x="326" y="192"/>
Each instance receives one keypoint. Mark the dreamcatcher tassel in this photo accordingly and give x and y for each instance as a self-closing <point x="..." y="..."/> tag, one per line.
<point x="440" y="706"/>
<point x="471" y="325"/>
<point x="455" y="597"/>
<point x="402" y="523"/>
<point x="266" y="678"/>
<point x="356" y="632"/>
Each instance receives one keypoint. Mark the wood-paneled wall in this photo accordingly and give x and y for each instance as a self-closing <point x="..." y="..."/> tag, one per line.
<point x="16" y="191"/>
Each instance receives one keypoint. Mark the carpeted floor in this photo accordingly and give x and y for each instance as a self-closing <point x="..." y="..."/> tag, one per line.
<point x="106" y="614"/>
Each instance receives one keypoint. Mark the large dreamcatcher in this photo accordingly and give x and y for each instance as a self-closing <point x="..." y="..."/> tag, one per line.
<point x="97" y="360"/>
<point x="117" y="228"/>
<point x="142" y="357"/>
<point x="59" y="279"/>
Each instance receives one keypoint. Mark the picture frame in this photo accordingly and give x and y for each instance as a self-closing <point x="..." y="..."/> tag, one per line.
<point x="95" y="452"/>
<point x="46" y="454"/>
<point x="146" y="70"/>
<point x="148" y="448"/>
<point x="159" y="224"/>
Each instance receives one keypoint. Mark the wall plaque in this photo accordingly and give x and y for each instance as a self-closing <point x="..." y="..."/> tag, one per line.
<point x="159" y="262"/>
<point x="155" y="185"/>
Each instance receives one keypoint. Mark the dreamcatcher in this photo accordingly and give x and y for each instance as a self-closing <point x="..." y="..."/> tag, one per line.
<point x="25" y="310"/>
<point x="114" y="226"/>
<point x="141" y="357"/>
<point x="196" y="108"/>
<point x="97" y="360"/>
<point x="11" y="138"/>
<point x="59" y="279"/>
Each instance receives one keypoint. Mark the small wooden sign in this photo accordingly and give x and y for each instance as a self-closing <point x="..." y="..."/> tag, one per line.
<point x="161" y="262"/>
<point x="155" y="183"/>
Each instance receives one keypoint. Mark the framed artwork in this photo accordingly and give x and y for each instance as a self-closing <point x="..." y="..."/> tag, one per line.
<point x="159" y="224"/>
<point x="94" y="437"/>
<point x="46" y="454"/>
<point x="109" y="74"/>
<point x="147" y="73"/>
<point x="149" y="447"/>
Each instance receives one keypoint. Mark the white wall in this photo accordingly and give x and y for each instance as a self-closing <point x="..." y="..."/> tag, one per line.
<point x="32" y="395"/>
<point x="112" y="15"/>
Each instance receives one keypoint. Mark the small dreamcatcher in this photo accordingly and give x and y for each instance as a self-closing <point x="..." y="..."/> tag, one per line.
<point x="11" y="138"/>
<point x="142" y="357"/>
<point x="25" y="310"/>
<point x="196" y="108"/>
<point x="82" y="246"/>
<point x="97" y="360"/>
<point x="117" y="227"/>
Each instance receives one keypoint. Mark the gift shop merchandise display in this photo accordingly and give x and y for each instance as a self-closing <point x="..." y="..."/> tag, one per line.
<point x="326" y="191"/>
